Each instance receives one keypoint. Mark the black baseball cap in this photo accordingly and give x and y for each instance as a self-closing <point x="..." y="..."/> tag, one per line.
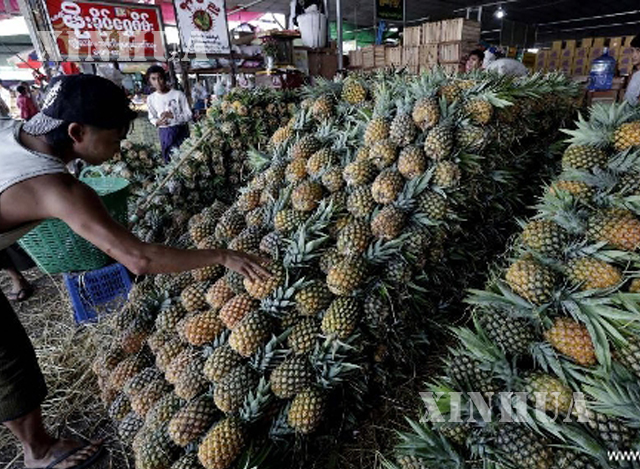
<point x="635" y="42"/>
<point x="85" y="99"/>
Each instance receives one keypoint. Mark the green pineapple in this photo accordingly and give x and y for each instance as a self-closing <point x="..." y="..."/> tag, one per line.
<point x="231" y="390"/>
<point x="341" y="318"/>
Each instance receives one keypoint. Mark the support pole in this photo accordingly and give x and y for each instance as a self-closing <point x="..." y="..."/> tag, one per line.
<point x="339" y="32"/>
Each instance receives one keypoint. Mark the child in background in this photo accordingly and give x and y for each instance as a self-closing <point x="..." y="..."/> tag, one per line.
<point x="168" y="110"/>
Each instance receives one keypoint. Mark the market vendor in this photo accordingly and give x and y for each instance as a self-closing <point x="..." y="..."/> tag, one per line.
<point x="86" y="117"/>
<point x="632" y="96"/>
<point x="168" y="110"/>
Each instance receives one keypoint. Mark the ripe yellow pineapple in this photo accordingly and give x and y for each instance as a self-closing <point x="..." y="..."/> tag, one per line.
<point x="168" y="352"/>
<point x="354" y="238"/>
<point x="332" y="179"/>
<point x="144" y="400"/>
<point x="281" y="135"/>
<point x="306" y="196"/>
<point x="531" y="280"/>
<point x="439" y="143"/>
<point x="251" y="333"/>
<point x="480" y="111"/>
<point x="261" y="289"/>
<point x="360" y="202"/>
<point x="446" y="174"/>
<point x="548" y="393"/>
<point x="451" y="92"/>
<point x="627" y="136"/>
<point x="403" y="130"/>
<point x="426" y="113"/>
<point x="377" y="130"/>
<point x="291" y="376"/>
<point x="192" y="421"/>
<point x="219" y="293"/>
<point x="304" y="335"/>
<point x="387" y="186"/>
<point x="388" y="223"/>
<point x="305" y="147"/>
<point x="201" y="328"/>
<point x="193" y="297"/>
<point x="190" y="384"/>
<point x="222" y="445"/>
<point x="341" y="318"/>
<point x="618" y="227"/>
<point x="237" y="308"/>
<point x="433" y="205"/>
<point x="412" y="162"/>
<point x="248" y="200"/>
<point x="353" y="91"/>
<point x="296" y="170"/>
<point x="220" y="362"/>
<point x="572" y="339"/>
<point x="320" y="161"/>
<point x="312" y="298"/>
<point x="579" y="189"/>
<point x="234" y="386"/>
<point x="383" y="154"/>
<point x="583" y="157"/>
<point x="307" y="410"/>
<point x="346" y="275"/>
<point x="544" y="236"/>
<point x="359" y="173"/>
<point x="590" y="273"/>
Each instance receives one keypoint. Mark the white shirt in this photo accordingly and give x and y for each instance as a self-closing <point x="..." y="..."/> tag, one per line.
<point x="508" y="67"/>
<point x="174" y="101"/>
<point x="633" y="90"/>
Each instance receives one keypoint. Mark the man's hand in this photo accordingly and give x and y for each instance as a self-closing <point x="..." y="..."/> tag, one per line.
<point x="166" y="115"/>
<point x="246" y="265"/>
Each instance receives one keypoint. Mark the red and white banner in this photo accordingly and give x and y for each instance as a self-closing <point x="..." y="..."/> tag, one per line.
<point x="87" y="30"/>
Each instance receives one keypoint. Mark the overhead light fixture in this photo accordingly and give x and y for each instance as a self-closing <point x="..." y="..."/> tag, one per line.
<point x="500" y="13"/>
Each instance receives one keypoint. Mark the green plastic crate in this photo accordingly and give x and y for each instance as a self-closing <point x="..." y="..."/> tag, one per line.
<point x="56" y="248"/>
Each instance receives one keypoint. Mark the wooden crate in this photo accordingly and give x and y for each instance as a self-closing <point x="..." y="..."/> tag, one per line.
<point x="355" y="58"/>
<point x="429" y="54"/>
<point x="411" y="56"/>
<point x="431" y="32"/>
<point x="451" y="69"/>
<point x="460" y="29"/>
<point x="454" y="51"/>
<point x="379" y="56"/>
<point x="412" y="36"/>
<point x="413" y="69"/>
<point x="368" y="58"/>
<point x="393" y="56"/>
<point x="426" y="68"/>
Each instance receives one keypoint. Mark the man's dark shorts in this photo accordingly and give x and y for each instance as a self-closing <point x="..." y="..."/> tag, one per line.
<point x="22" y="386"/>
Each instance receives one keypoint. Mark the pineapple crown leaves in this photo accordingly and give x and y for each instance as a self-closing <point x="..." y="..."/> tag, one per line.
<point x="272" y="354"/>
<point x="563" y="209"/>
<point x="625" y="162"/>
<point x="426" y="444"/>
<point x="258" y="160"/>
<point x="219" y="341"/>
<point x="413" y="189"/>
<point x="494" y="99"/>
<point x="256" y="402"/>
<point x="281" y="299"/>
<point x="280" y="428"/>
<point x="504" y="299"/>
<point x="379" y="252"/>
<point x="330" y="360"/>
<point x="598" y="130"/>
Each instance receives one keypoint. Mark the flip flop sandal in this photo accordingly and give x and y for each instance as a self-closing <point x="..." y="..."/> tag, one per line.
<point x="23" y="295"/>
<point x="84" y="464"/>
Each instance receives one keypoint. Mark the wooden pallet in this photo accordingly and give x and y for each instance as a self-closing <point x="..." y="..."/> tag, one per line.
<point x="411" y="56"/>
<point x="368" y="58"/>
<point x="454" y="51"/>
<point x="355" y="58"/>
<point x="429" y="54"/>
<point x="393" y="56"/>
<point x="412" y="36"/>
<point x="460" y="29"/>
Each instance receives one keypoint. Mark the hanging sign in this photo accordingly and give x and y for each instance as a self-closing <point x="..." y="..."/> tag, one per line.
<point x="390" y="10"/>
<point x="87" y="30"/>
<point x="203" y="26"/>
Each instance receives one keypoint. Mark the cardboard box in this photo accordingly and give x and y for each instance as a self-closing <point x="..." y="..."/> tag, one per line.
<point x="567" y="54"/>
<point x="616" y="42"/>
<point x="555" y="54"/>
<point x="556" y="45"/>
<point x="595" y="53"/>
<point x="431" y="32"/>
<point x="566" y="64"/>
<point x="580" y="66"/>
<point x="627" y="41"/>
<point x="542" y="59"/>
<point x="598" y="42"/>
<point x="581" y="53"/>
<point x="625" y="63"/>
<point x="571" y="44"/>
<point x="553" y="64"/>
<point x="529" y="60"/>
<point x="615" y="51"/>
<point x="586" y="42"/>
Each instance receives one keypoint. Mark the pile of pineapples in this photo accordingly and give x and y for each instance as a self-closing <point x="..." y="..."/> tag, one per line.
<point x="242" y="121"/>
<point x="562" y="317"/>
<point x="351" y="205"/>
<point x="135" y="162"/>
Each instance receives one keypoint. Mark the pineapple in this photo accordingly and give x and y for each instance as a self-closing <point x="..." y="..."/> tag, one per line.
<point x="303" y="336"/>
<point x="341" y="318"/>
<point x="156" y="450"/>
<point x="433" y="205"/>
<point x="169" y="317"/>
<point x="306" y="411"/>
<point x="589" y="273"/>
<point x="250" y="334"/>
<point x="402" y="131"/>
<point x="567" y="459"/>
<point x="531" y="280"/>
<point x="305" y="147"/>
<point x="220" y="362"/>
<point x="193" y="297"/>
<point x="143" y="401"/>
<point x="230" y="225"/>
<point x="296" y="171"/>
<point x="383" y="154"/>
<point x="397" y="272"/>
<point x="323" y="107"/>
<point x="120" y="407"/>
<point x="271" y="244"/>
<point x="202" y="230"/>
<point x="286" y="221"/>
<point x="218" y="294"/>
<point x="353" y="91"/>
<point x="256" y="217"/>
<point x="237" y="308"/>
<point x="192" y="421"/>
<point x="580" y="190"/>
<point x="235" y="281"/>
<point x="247" y="241"/>
<point x="363" y="153"/>
<point x="412" y="162"/>
<point x="618" y="227"/>
<point x="332" y="179"/>
<point x="129" y="427"/>
<point x="291" y="376"/>
<point x="471" y="138"/>
<point x="354" y="238"/>
<point x="387" y="186"/>
<point x="614" y="433"/>
<point x="627" y="136"/>
<point x="360" y="202"/>
<point x="451" y="92"/>
<point x="629" y="355"/>
<point x="306" y="196"/>
<point x="201" y="328"/>
<point x="446" y="174"/>
<point x="572" y="339"/>
<point x="222" y="445"/>
<point x="426" y="113"/>
<point x="261" y="289"/>
<point x="439" y="143"/>
<point x="248" y="200"/>
<point x="480" y="111"/>
<point x="522" y="447"/>
<point x="174" y="284"/>
<point x="548" y="393"/>
<point x="280" y="136"/>
<point x="359" y="173"/>
<point x="313" y="298"/>
<point x="545" y="237"/>
<point x="140" y="381"/>
<point x="168" y="352"/>
<point x="346" y="275"/>
<point x="388" y="223"/>
<point x="187" y="461"/>
<point x="232" y="389"/>
<point x="163" y="410"/>
<point x="320" y="162"/>
<point x="186" y="361"/>
<point x="377" y="130"/>
<point x="190" y="384"/>
<point x="127" y="369"/>
<point x="583" y="157"/>
<point x="512" y="334"/>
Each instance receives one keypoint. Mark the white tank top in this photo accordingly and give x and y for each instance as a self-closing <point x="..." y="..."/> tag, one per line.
<point x="17" y="164"/>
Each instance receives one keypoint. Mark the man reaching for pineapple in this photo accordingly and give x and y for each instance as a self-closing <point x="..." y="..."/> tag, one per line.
<point x="86" y="117"/>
